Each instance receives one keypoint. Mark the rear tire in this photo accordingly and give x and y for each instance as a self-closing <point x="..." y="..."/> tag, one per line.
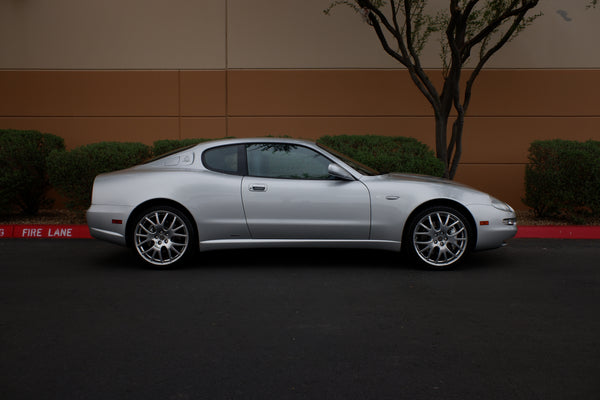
<point x="438" y="237"/>
<point x="163" y="237"/>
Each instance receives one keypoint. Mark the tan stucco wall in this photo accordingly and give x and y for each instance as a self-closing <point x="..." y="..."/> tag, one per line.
<point x="112" y="34"/>
<point x="293" y="34"/>
<point x="217" y="34"/>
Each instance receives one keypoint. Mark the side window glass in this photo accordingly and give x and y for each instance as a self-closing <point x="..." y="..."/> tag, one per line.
<point x="287" y="161"/>
<point x="222" y="159"/>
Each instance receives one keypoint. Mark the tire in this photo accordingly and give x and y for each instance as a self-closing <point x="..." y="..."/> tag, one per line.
<point x="163" y="237"/>
<point x="438" y="237"/>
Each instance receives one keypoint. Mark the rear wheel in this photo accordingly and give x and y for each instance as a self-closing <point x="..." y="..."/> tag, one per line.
<point x="163" y="236"/>
<point x="439" y="237"/>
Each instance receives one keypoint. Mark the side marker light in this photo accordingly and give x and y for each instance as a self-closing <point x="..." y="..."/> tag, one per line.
<point x="117" y="221"/>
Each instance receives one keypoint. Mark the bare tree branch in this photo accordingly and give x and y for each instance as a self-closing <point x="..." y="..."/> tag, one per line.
<point x="495" y="24"/>
<point x="464" y="26"/>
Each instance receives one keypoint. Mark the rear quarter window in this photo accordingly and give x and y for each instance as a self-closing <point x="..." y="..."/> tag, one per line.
<point x="223" y="159"/>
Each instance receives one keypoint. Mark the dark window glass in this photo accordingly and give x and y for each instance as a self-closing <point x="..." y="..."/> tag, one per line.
<point x="222" y="159"/>
<point x="288" y="161"/>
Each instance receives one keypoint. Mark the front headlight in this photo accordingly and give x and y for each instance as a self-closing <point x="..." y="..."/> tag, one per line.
<point x="500" y="205"/>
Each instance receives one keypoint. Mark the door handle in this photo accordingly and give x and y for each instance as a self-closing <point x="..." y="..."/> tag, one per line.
<point x="257" y="187"/>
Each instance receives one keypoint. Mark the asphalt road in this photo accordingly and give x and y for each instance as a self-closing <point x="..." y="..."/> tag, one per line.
<point x="79" y="319"/>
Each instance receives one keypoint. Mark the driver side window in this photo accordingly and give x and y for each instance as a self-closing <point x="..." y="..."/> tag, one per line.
<point x="286" y="161"/>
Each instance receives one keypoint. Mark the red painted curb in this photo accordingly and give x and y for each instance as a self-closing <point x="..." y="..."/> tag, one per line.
<point x="45" y="231"/>
<point x="83" y="232"/>
<point x="6" y="231"/>
<point x="558" y="232"/>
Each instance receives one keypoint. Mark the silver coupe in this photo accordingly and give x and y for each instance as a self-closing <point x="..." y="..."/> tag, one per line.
<point x="269" y="192"/>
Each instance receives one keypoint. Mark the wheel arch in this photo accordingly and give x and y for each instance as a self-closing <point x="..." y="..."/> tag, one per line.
<point x="447" y="203"/>
<point x="153" y="203"/>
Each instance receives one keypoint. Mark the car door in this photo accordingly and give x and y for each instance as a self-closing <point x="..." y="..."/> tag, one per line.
<point x="217" y="201"/>
<point x="288" y="194"/>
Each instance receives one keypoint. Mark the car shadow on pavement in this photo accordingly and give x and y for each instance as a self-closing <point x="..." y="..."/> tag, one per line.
<point x="122" y="258"/>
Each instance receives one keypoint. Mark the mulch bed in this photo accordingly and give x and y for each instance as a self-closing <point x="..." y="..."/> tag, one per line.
<point x="46" y="217"/>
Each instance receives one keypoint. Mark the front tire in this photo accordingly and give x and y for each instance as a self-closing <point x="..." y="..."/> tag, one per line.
<point x="163" y="236"/>
<point x="439" y="237"/>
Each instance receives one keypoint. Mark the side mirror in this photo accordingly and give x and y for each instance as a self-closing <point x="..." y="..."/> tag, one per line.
<point x="339" y="172"/>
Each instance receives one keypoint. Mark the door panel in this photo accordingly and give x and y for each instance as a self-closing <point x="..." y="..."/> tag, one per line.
<point x="215" y="203"/>
<point x="306" y="209"/>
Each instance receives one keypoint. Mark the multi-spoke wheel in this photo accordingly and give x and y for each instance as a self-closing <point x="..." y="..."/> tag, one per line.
<point x="439" y="237"/>
<point x="162" y="236"/>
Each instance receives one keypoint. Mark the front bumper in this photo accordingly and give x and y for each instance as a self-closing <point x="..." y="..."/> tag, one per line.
<point x="493" y="226"/>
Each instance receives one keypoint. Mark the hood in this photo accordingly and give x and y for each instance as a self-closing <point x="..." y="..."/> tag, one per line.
<point x="433" y="186"/>
<point x="396" y="176"/>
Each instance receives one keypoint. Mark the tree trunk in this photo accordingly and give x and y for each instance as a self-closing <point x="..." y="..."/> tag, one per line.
<point x="441" y="129"/>
<point x="455" y="148"/>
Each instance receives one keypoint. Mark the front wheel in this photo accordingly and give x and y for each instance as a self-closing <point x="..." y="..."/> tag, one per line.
<point x="163" y="236"/>
<point x="438" y="237"/>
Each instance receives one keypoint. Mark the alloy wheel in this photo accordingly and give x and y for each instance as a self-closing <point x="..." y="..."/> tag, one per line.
<point x="440" y="238"/>
<point x="161" y="237"/>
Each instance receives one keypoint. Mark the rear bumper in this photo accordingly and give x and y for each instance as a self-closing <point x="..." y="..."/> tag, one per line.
<point x="108" y="222"/>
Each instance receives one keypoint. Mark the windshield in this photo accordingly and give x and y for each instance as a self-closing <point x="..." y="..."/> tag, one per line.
<point x="361" y="168"/>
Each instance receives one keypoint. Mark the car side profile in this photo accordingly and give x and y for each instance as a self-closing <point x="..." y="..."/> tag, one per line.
<point x="271" y="192"/>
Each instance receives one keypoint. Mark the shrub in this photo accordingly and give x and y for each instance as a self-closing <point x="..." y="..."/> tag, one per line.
<point x="72" y="173"/>
<point x="23" y="178"/>
<point x="387" y="154"/>
<point x="165" y="146"/>
<point x="563" y="179"/>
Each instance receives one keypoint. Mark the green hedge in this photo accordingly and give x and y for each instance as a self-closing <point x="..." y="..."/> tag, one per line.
<point x="72" y="173"/>
<point x="387" y="154"/>
<point x="563" y="179"/>
<point x="23" y="178"/>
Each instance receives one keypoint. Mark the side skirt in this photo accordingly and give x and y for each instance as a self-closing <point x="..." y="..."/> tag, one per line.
<point x="226" y="244"/>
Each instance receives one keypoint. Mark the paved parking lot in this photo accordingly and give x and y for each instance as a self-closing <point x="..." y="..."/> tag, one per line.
<point x="81" y="320"/>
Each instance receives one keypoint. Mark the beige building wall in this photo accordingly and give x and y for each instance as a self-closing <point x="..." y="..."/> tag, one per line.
<point x="142" y="70"/>
<point x="241" y="34"/>
<point x="295" y="34"/>
<point x="112" y="34"/>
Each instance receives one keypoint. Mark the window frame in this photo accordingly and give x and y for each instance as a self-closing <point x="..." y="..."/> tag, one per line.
<point x="242" y="170"/>
<point x="246" y="145"/>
